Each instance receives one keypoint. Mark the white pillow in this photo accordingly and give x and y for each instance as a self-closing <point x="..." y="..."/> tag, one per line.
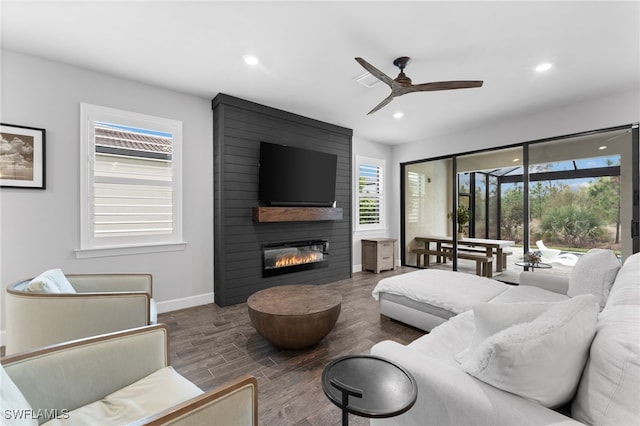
<point x="14" y="408"/>
<point x="491" y="318"/>
<point x="594" y="273"/>
<point x="541" y="360"/>
<point x="51" y="281"/>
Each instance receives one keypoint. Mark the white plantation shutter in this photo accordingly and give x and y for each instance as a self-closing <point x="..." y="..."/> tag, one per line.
<point x="416" y="191"/>
<point x="132" y="190"/>
<point x="370" y="193"/>
<point x="128" y="210"/>
<point x="132" y="179"/>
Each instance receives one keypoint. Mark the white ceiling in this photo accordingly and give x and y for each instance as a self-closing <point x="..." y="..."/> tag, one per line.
<point x="307" y="51"/>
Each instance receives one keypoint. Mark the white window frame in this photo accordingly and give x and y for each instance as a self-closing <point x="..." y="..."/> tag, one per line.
<point x="381" y="164"/>
<point x="125" y="245"/>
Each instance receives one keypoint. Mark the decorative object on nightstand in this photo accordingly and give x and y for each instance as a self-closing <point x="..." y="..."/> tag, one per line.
<point x="378" y="254"/>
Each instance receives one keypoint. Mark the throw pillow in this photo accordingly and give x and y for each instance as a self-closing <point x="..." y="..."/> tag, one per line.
<point x="594" y="273"/>
<point x="541" y="360"/>
<point x="14" y="408"/>
<point x="491" y="318"/>
<point x="51" y="281"/>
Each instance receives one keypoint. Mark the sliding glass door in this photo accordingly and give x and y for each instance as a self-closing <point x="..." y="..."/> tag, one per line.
<point x="557" y="198"/>
<point x="427" y="201"/>
<point x="580" y="196"/>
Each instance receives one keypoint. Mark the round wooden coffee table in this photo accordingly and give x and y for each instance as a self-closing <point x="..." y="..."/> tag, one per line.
<point x="294" y="316"/>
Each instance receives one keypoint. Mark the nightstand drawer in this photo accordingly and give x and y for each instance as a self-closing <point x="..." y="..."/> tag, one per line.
<point x="386" y="249"/>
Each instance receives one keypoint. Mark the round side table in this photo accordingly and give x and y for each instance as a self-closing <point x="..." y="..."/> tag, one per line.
<point x="369" y="386"/>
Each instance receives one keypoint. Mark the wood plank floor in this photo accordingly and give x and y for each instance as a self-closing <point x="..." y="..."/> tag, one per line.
<point x="212" y="345"/>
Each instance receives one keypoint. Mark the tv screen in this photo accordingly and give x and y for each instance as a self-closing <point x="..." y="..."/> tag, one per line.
<point x="296" y="177"/>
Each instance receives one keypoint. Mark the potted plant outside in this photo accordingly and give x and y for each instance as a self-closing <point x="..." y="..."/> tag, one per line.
<point x="463" y="217"/>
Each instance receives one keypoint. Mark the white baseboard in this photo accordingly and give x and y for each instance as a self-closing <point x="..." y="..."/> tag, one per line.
<point x="185" y="302"/>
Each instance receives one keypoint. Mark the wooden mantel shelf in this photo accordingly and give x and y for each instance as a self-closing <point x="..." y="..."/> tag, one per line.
<point x="296" y="214"/>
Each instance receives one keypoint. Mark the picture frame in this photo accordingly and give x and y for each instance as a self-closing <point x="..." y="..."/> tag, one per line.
<point x="22" y="157"/>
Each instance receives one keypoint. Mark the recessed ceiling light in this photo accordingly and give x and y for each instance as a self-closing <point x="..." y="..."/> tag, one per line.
<point x="251" y="60"/>
<point x="602" y="147"/>
<point x="544" y="67"/>
<point x="398" y="115"/>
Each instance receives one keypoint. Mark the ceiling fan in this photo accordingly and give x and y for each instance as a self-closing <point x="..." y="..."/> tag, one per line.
<point x="401" y="85"/>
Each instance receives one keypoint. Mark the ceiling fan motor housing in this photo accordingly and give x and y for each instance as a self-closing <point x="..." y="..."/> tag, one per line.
<point x="401" y="62"/>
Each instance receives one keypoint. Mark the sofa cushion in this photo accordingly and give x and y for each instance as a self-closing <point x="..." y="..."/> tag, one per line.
<point x="14" y="408"/>
<point x="150" y="395"/>
<point x="455" y="292"/>
<point x="447" y="339"/>
<point x="51" y="281"/>
<point x="626" y="287"/>
<point x="541" y="360"/>
<point x="490" y="318"/>
<point x="610" y="387"/>
<point x="594" y="274"/>
<point x="528" y="294"/>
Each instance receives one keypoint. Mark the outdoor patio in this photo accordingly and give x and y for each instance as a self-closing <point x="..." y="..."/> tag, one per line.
<point x="512" y="272"/>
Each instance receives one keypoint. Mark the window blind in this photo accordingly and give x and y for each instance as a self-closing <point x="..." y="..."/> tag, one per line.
<point x="132" y="185"/>
<point x="415" y="196"/>
<point x="370" y="194"/>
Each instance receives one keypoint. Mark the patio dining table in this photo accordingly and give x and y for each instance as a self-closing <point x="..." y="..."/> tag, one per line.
<point x="492" y="247"/>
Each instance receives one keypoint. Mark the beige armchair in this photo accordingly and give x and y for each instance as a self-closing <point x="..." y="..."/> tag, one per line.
<point x="103" y="303"/>
<point x="118" y="378"/>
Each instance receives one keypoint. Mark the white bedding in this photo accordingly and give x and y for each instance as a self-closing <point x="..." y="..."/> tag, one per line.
<point x="455" y="291"/>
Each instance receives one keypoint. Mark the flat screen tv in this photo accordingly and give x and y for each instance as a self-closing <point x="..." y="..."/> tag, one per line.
<point x="292" y="176"/>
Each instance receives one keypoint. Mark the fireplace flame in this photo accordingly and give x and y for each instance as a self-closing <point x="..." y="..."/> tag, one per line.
<point x="298" y="259"/>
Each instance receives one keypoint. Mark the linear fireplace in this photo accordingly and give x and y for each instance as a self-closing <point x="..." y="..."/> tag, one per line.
<point x="284" y="258"/>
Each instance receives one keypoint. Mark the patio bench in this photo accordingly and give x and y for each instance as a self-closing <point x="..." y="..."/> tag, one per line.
<point x="484" y="263"/>
<point x="505" y="252"/>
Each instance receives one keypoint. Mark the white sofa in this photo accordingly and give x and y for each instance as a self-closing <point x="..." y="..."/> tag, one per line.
<point x="606" y="392"/>
<point x="116" y="379"/>
<point x="94" y="304"/>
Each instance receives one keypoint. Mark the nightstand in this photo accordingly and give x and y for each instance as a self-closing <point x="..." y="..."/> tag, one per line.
<point x="378" y="254"/>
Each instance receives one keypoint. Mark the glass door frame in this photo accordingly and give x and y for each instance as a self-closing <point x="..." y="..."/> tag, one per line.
<point x="635" y="162"/>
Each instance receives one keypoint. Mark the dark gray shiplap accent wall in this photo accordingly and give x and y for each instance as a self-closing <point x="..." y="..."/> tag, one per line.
<point x="239" y="127"/>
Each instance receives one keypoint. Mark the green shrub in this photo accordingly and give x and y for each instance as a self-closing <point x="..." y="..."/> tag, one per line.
<point x="574" y="224"/>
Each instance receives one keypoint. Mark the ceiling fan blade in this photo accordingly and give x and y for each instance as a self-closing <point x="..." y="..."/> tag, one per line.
<point x="375" y="72"/>
<point x="445" y="85"/>
<point x="382" y="104"/>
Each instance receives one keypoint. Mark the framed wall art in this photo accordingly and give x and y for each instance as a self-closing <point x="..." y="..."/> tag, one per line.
<point x="22" y="157"/>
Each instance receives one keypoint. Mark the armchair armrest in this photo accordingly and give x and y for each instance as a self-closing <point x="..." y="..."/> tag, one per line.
<point x="234" y="403"/>
<point x="551" y="282"/>
<point x="87" y="283"/>
<point x="88" y="369"/>
<point x="449" y="396"/>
